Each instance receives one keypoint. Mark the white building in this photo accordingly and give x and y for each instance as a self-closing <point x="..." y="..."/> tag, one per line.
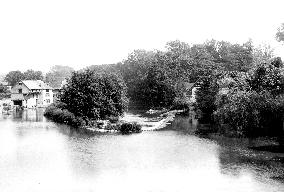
<point x="32" y="93"/>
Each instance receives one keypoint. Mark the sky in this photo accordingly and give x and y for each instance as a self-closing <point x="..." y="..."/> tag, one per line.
<point x="37" y="34"/>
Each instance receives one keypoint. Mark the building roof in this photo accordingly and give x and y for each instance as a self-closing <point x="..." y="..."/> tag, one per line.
<point x="36" y="84"/>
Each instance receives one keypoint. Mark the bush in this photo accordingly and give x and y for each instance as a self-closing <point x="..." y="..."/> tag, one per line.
<point x="63" y="116"/>
<point x="127" y="128"/>
<point x="250" y="113"/>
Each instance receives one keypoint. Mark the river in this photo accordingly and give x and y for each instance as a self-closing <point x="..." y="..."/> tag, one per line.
<point x="39" y="155"/>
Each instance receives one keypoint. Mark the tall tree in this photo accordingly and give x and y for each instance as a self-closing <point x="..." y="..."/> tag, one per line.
<point x="134" y="69"/>
<point x="95" y="95"/>
<point x="232" y="57"/>
<point x="57" y="74"/>
<point x="155" y="90"/>
<point x="33" y="75"/>
<point x="14" y="77"/>
<point x="205" y="98"/>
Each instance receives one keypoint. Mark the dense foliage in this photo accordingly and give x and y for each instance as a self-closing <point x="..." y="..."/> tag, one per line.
<point x="205" y="98"/>
<point x="14" y="77"/>
<point x="32" y="75"/>
<point x="57" y="75"/>
<point x="59" y="115"/>
<point x="127" y="128"/>
<point x="95" y="95"/>
<point x="253" y="104"/>
<point x="155" y="91"/>
<point x="4" y="92"/>
<point x="153" y="78"/>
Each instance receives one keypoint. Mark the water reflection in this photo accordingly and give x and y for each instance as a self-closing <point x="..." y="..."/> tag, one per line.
<point x="38" y="155"/>
<point x="32" y="115"/>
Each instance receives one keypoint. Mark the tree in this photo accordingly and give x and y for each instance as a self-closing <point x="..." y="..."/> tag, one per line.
<point x="3" y="89"/>
<point x="262" y="54"/>
<point x="4" y="92"/>
<point x="205" y="98"/>
<point x="268" y="76"/>
<point x="156" y="91"/>
<point x="254" y="104"/>
<point x="57" y="74"/>
<point x="14" y="77"/>
<point x="95" y="95"/>
<point x="33" y="75"/>
<point x="280" y="33"/>
<point x="232" y="57"/>
<point x="134" y="69"/>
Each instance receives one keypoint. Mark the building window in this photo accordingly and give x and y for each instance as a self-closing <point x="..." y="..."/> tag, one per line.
<point x="48" y="101"/>
<point x="47" y="90"/>
<point x="20" y="90"/>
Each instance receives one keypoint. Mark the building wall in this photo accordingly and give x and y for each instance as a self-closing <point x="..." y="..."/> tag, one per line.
<point x="31" y="102"/>
<point x="35" y="98"/>
<point x="16" y="96"/>
<point x="47" y="97"/>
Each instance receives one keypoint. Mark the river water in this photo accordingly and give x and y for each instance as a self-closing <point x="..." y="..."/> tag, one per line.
<point x="39" y="155"/>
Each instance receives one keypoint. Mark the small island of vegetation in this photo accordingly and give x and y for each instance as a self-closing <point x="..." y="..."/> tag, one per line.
<point x="90" y="97"/>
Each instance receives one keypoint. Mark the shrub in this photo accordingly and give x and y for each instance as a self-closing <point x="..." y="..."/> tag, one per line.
<point x="63" y="116"/>
<point x="250" y="113"/>
<point x="127" y="128"/>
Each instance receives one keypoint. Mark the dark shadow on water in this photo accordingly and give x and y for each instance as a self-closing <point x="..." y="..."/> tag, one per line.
<point x="234" y="161"/>
<point x="262" y="157"/>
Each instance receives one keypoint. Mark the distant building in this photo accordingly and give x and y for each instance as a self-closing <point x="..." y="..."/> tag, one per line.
<point x="32" y="93"/>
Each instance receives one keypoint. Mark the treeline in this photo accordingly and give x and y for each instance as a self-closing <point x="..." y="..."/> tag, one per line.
<point x="157" y="79"/>
<point x="240" y="86"/>
<point x="244" y="103"/>
<point x="54" y="77"/>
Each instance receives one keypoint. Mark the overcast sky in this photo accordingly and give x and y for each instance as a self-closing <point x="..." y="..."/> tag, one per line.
<point x="39" y="34"/>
